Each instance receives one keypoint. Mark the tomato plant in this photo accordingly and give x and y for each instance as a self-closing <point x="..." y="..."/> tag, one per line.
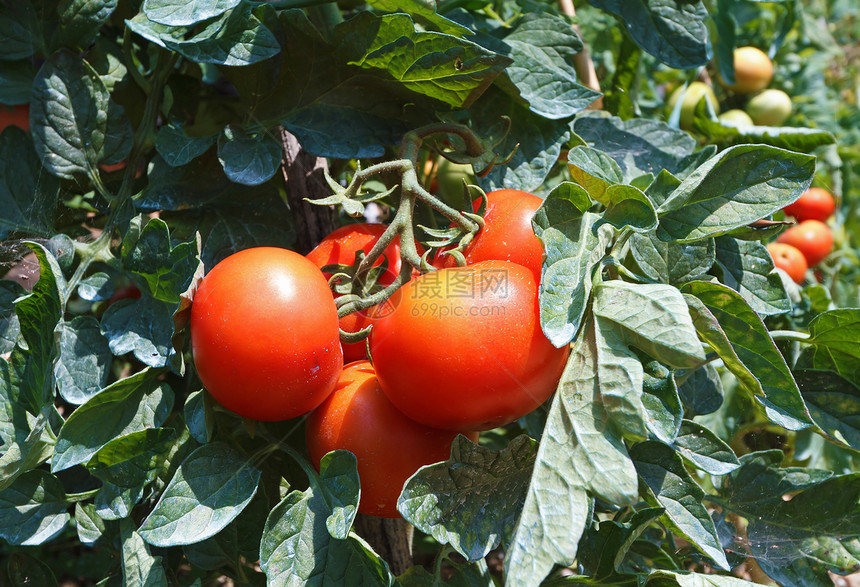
<point x="358" y="417"/>
<point x="340" y="247"/>
<point x="264" y="334"/>
<point x="701" y="388"/>
<point x="813" y="238"/>
<point x="789" y="259"/>
<point x="471" y="337"/>
<point x="814" y="204"/>
<point x="770" y="107"/>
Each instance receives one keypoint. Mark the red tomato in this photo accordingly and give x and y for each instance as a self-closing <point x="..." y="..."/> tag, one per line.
<point x="15" y="116"/>
<point x="264" y="334"/>
<point x="389" y="446"/>
<point x="357" y="351"/>
<point x="789" y="259"/>
<point x="507" y="234"/>
<point x="341" y="245"/>
<point x="812" y="237"/>
<point x="813" y="204"/>
<point x="463" y="348"/>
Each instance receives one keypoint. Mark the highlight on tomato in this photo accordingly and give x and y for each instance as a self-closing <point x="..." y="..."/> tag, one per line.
<point x="264" y="334"/>
<point x="813" y="204"/>
<point x="507" y="234"/>
<point x="389" y="447"/>
<point x="790" y="260"/>
<point x="463" y="347"/>
<point x="813" y="238"/>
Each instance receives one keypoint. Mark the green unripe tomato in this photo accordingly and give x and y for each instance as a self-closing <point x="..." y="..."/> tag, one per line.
<point x="770" y="107"/>
<point x="450" y="178"/>
<point x="695" y="92"/>
<point x="736" y="117"/>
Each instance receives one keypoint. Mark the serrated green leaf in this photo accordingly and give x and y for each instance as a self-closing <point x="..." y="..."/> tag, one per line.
<point x="234" y="38"/>
<point x="96" y="287"/>
<point x="33" y="509"/>
<point x="211" y="487"/>
<point x="574" y="244"/>
<point x="249" y="159"/>
<point x="116" y="503"/>
<point x="82" y="368"/>
<point x="653" y="318"/>
<point x="734" y="188"/>
<point x="606" y="544"/>
<point x="183" y="13"/>
<point x="639" y="145"/>
<point x="129" y="405"/>
<point x="542" y="46"/>
<point x="733" y="329"/>
<point x="557" y="505"/>
<point x="676" y="34"/>
<point x="449" y="500"/>
<point x="669" y="485"/>
<point x="704" y="449"/>
<point x="748" y="269"/>
<point x="27" y="441"/>
<point x="804" y="140"/>
<point x="69" y="114"/>
<point x="672" y="262"/>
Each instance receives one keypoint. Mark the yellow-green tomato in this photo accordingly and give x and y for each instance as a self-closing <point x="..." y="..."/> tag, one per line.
<point x="753" y="71"/>
<point x="770" y="107"/>
<point x="450" y="178"/>
<point x="695" y="92"/>
<point x="736" y="117"/>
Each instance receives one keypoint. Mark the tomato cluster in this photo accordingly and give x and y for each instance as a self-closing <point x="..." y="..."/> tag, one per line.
<point x="456" y="350"/>
<point x="807" y="243"/>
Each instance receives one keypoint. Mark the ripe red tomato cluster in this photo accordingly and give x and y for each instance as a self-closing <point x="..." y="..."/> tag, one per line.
<point x="807" y="243"/>
<point x="457" y="350"/>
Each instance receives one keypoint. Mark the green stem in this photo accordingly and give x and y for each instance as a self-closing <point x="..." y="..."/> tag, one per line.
<point x="790" y="335"/>
<point x="98" y="250"/>
<point x="79" y="497"/>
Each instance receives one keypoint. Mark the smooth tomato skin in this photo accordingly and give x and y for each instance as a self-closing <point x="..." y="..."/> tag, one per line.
<point x="507" y="234"/>
<point x="813" y="204"/>
<point x="790" y="260"/>
<point x="357" y="351"/>
<point x="812" y="237"/>
<point x="463" y="348"/>
<point x="753" y="70"/>
<point x="339" y="248"/>
<point x="389" y="447"/>
<point x="264" y="334"/>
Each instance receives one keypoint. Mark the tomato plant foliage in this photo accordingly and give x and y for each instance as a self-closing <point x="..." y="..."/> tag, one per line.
<point x="707" y="414"/>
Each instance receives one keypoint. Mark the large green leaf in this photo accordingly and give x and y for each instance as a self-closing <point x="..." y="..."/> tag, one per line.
<point x="211" y="487"/>
<point x="33" y="509"/>
<point x="748" y="269"/>
<point x="20" y="30"/>
<point x="674" y="32"/>
<point x="566" y="471"/>
<point x="83" y="366"/>
<point x="129" y="405"/>
<point x="449" y="500"/>
<point x="542" y="46"/>
<point x="143" y="327"/>
<point x="575" y="244"/>
<point x="184" y="13"/>
<point x="80" y="21"/>
<point x="132" y="460"/>
<point x="236" y="37"/>
<point x="834" y="404"/>
<point x="672" y="262"/>
<point x="247" y="158"/>
<point x="139" y="567"/>
<point x="669" y="485"/>
<point x="734" y="188"/>
<point x="733" y="329"/>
